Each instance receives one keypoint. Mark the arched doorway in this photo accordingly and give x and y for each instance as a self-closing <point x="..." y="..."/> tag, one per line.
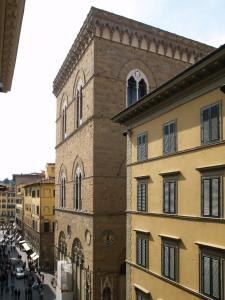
<point x="106" y="294"/>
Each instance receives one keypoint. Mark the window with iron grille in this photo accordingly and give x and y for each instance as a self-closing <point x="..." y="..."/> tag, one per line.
<point x="142" y="249"/>
<point x="211" y="196"/>
<point x="170" y="196"/>
<point x="169" y="137"/>
<point x="210" y="124"/>
<point x="170" y="259"/>
<point x="212" y="267"/>
<point x="142" y="147"/>
<point x="142" y="195"/>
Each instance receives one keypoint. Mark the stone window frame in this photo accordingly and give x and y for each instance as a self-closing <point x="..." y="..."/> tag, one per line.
<point x="77" y="202"/>
<point x="64" y="120"/>
<point x="138" y="75"/>
<point x="79" y="104"/>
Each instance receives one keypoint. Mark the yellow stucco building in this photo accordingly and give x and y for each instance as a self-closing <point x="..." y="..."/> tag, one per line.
<point x="39" y="204"/>
<point x="175" y="184"/>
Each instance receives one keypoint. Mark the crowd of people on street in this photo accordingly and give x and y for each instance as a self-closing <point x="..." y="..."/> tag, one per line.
<point x="10" y="261"/>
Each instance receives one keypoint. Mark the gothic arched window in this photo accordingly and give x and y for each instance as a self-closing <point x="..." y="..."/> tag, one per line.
<point x="63" y="191"/>
<point x="77" y="189"/>
<point x="107" y="294"/>
<point x="63" y="120"/>
<point x="79" y="104"/>
<point x="137" y="86"/>
<point x="62" y="247"/>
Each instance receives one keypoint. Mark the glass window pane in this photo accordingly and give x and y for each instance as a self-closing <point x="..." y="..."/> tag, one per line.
<point x="205" y="125"/>
<point x="166" y="261"/>
<point x="131" y="90"/>
<point x="215" y="278"/>
<point x="172" y="196"/>
<point x="215" y="122"/>
<point x="215" y="196"/>
<point x="172" y="263"/>
<point x="166" y="196"/>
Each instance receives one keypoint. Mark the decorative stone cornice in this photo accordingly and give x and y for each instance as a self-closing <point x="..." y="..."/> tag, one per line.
<point x="116" y="28"/>
<point x="11" y="15"/>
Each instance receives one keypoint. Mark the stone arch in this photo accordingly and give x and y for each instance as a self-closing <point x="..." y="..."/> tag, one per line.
<point x="137" y="64"/>
<point x="153" y="46"/>
<point x="144" y="44"/>
<point x="78" y="162"/>
<point x="79" y="78"/>
<point x="126" y="39"/>
<point x="116" y="35"/>
<point x="62" y="171"/>
<point x="106" y="32"/>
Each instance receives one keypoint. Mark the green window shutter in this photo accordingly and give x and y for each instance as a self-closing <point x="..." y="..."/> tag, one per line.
<point x="215" y="278"/>
<point x="139" y="204"/>
<point x="206" y="197"/>
<point x="172" y="196"/>
<point x="206" y="275"/>
<point x="215" y="196"/>
<point x="139" y="250"/>
<point x="139" y="140"/>
<point x="166" y="197"/>
<point x="143" y="196"/>
<point x="166" y="139"/>
<point x="214" y="122"/>
<point x="205" y="124"/>
<point x="166" y="261"/>
<point x="172" y="263"/>
<point x="172" y="138"/>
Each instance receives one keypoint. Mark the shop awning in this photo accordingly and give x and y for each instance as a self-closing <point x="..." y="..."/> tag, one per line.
<point x="35" y="257"/>
<point x="21" y="242"/>
<point x="33" y="254"/>
<point x="26" y="247"/>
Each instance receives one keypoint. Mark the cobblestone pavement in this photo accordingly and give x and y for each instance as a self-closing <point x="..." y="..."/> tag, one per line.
<point x="48" y="290"/>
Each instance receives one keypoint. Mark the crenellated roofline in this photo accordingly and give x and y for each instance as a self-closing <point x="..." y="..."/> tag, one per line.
<point x="126" y="31"/>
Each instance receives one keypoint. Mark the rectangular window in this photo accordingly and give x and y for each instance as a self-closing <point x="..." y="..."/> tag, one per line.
<point x="211" y="281"/>
<point x="170" y="260"/>
<point x="141" y="295"/>
<point x="142" y="147"/>
<point x="169" y="138"/>
<point x="38" y="193"/>
<point x="210" y="124"/>
<point x="170" y="196"/>
<point x="211" y="196"/>
<point x="142" y="195"/>
<point x="142" y="249"/>
<point x="37" y="209"/>
<point x="46" y="227"/>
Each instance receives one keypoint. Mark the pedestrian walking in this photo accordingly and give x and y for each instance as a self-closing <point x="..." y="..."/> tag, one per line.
<point x="15" y="293"/>
<point x="18" y="294"/>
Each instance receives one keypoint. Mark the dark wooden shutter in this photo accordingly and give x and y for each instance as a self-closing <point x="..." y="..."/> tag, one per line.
<point x="166" y="139"/>
<point x="166" y="260"/>
<point x="144" y="252"/>
<point x="166" y="196"/>
<point x="172" y="263"/>
<point x="139" y="196"/>
<point x="215" y="278"/>
<point x="144" y="147"/>
<point x="215" y="196"/>
<point x="172" y="201"/>
<point x="206" y="274"/>
<point x="215" y="122"/>
<point x="143" y="196"/>
<point x="172" y="137"/>
<point x="139" y="252"/>
<point x="206" y="197"/>
<point x="139" y="140"/>
<point x="205" y="120"/>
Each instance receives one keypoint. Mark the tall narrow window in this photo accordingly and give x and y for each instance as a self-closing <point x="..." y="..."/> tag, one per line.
<point x="64" y="120"/>
<point x="140" y="295"/>
<point x="169" y="138"/>
<point x="63" y="192"/>
<point x="170" y="260"/>
<point x="142" y="195"/>
<point x="170" y="196"/>
<point x="142" y="249"/>
<point x="142" y="147"/>
<point x="211" y="282"/>
<point x="210" y="124"/>
<point x="136" y="86"/>
<point x="79" y="105"/>
<point x="211" y="196"/>
<point x="77" y="190"/>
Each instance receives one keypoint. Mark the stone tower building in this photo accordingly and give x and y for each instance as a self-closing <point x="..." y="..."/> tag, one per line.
<point x="112" y="63"/>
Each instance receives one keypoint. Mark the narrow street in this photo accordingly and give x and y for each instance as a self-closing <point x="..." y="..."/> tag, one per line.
<point x="23" y="283"/>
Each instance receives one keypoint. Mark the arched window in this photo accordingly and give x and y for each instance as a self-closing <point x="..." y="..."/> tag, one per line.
<point x="107" y="294"/>
<point x="77" y="189"/>
<point x="137" y="86"/>
<point x="63" y="116"/>
<point x="62" y="247"/>
<point x="79" y="104"/>
<point x="63" y="191"/>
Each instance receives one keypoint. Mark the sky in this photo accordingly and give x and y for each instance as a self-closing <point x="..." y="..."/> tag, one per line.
<point x="28" y="112"/>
